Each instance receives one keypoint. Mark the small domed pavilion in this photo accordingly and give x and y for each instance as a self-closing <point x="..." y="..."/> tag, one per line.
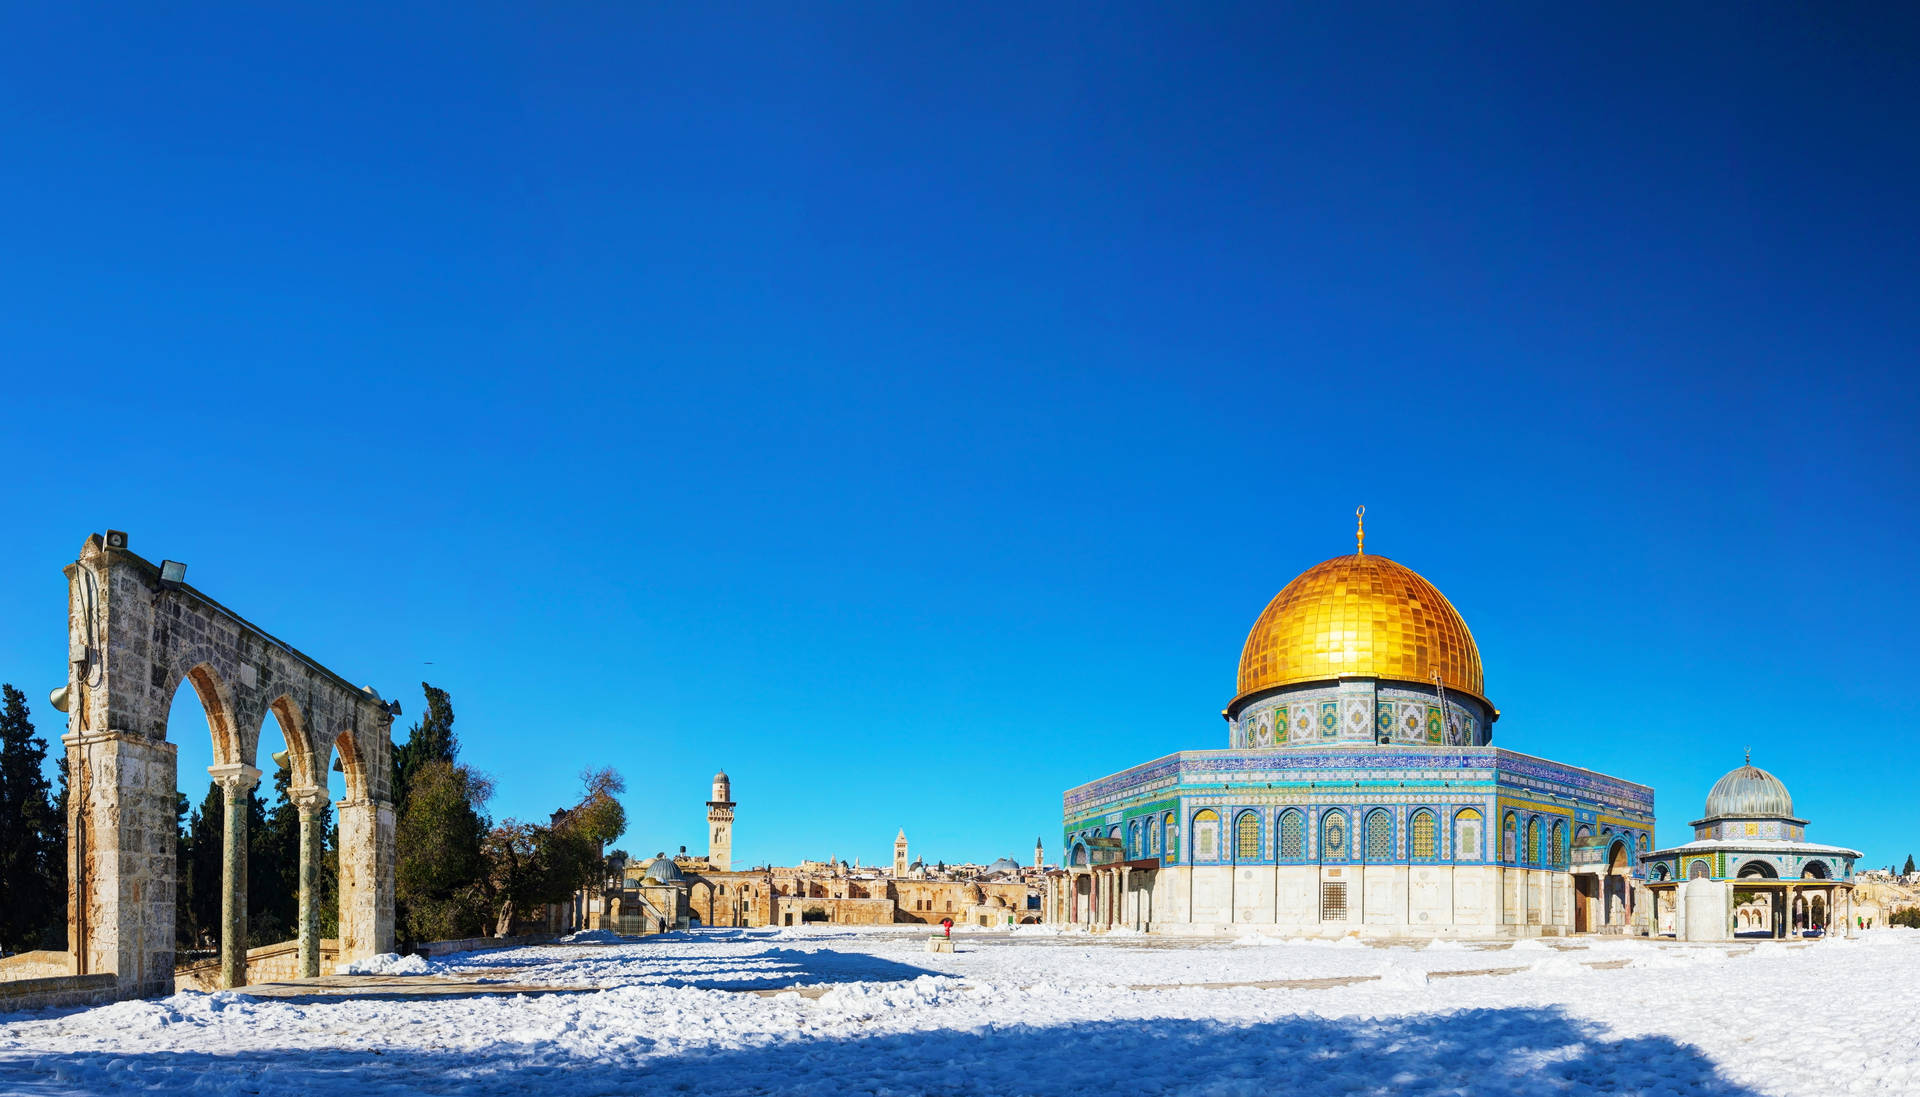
<point x="1749" y="871"/>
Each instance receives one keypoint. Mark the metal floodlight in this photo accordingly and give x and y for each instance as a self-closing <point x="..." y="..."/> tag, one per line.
<point x="337" y="767"/>
<point x="280" y="759"/>
<point x="173" y="571"/>
<point x="59" y="698"/>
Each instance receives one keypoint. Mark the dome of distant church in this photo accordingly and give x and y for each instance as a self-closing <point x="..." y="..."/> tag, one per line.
<point x="1004" y="864"/>
<point x="663" y="870"/>
<point x="1749" y="793"/>
<point x="1360" y="616"/>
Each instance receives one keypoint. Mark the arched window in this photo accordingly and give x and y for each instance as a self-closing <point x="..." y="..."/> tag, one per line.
<point x="1246" y="837"/>
<point x="1816" y="870"/>
<point x="1333" y="836"/>
<point x="1557" y="856"/>
<point x="1533" y="841"/>
<point x="1698" y="870"/>
<point x="1420" y="831"/>
<point x="1153" y="837"/>
<point x="1379" y="836"/>
<point x="1173" y="836"/>
<point x="1660" y="871"/>
<point x="1466" y="835"/>
<point x="1206" y="835"/>
<point x="1507" y="826"/>
<point x="1293" y="834"/>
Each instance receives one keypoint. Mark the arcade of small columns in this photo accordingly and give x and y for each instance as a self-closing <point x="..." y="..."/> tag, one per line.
<point x="136" y="632"/>
<point x="1102" y="896"/>
<point x="1767" y="904"/>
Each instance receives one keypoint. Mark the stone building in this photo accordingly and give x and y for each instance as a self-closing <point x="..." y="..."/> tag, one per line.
<point x="684" y="891"/>
<point x="1359" y="791"/>
<point x="1749" y="871"/>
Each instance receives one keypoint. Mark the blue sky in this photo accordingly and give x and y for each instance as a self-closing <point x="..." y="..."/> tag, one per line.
<point x="910" y="410"/>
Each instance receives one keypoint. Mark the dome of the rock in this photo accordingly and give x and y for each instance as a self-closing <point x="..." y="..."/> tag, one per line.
<point x="1360" y="616"/>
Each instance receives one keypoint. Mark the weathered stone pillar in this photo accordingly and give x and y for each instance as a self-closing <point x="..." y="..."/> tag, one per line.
<point x="236" y="780"/>
<point x="366" y="879"/>
<point x="312" y="803"/>
<point x="120" y="859"/>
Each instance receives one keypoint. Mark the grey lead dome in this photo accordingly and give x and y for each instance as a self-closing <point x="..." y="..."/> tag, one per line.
<point x="663" y="870"/>
<point x="1749" y="793"/>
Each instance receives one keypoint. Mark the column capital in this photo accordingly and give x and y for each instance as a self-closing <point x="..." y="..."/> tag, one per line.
<point x="235" y="777"/>
<point x="308" y="799"/>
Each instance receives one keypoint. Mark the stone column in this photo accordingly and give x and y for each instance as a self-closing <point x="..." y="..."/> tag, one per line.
<point x="120" y="859"/>
<point x="312" y="803"/>
<point x="366" y="879"/>
<point x="236" y="780"/>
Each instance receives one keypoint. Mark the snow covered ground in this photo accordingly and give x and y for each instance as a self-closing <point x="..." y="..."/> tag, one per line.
<point x="1035" y="1012"/>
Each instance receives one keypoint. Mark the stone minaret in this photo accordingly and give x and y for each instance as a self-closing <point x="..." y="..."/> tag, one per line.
<point x="1039" y="857"/>
<point x="900" y="855"/>
<point x="720" y="824"/>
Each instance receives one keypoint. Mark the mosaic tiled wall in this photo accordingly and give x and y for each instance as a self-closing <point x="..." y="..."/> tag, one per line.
<point x="1725" y="864"/>
<point x="1158" y="803"/>
<point x="1736" y="829"/>
<point x="1359" y="711"/>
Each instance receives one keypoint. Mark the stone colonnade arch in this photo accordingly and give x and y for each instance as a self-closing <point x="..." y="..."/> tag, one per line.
<point x="134" y="635"/>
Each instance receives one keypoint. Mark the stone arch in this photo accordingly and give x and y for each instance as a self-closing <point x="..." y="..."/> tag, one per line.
<point x="1816" y="869"/>
<point x="307" y="771"/>
<point x="1617" y="860"/>
<point x="352" y="765"/>
<point x="161" y="632"/>
<point x="1659" y="871"/>
<point x="223" y="719"/>
<point x="1757" y="869"/>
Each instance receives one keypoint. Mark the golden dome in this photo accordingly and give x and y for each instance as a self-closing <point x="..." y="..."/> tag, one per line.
<point x="1359" y="616"/>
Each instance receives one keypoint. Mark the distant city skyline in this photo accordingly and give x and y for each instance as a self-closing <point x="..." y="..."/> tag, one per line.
<point x="911" y="412"/>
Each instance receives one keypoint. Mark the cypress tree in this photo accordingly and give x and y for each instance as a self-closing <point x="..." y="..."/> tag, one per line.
<point x="28" y="832"/>
<point x="197" y="911"/>
<point x="430" y="740"/>
<point x="439" y="873"/>
<point x="1909" y="867"/>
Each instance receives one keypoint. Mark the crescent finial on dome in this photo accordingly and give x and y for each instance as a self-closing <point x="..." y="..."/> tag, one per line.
<point x="1360" y="530"/>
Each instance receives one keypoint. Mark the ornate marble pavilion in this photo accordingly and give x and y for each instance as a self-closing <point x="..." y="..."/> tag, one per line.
<point x="1359" y="791"/>
<point x="1749" y="871"/>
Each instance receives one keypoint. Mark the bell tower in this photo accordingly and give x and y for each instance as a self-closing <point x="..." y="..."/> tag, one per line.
<point x="720" y="824"/>
<point x="1039" y="854"/>
<point x="900" y="855"/>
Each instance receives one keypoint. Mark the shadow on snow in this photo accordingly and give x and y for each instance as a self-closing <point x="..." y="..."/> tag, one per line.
<point x="763" y="968"/>
<point x="1470" y="1053"/>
